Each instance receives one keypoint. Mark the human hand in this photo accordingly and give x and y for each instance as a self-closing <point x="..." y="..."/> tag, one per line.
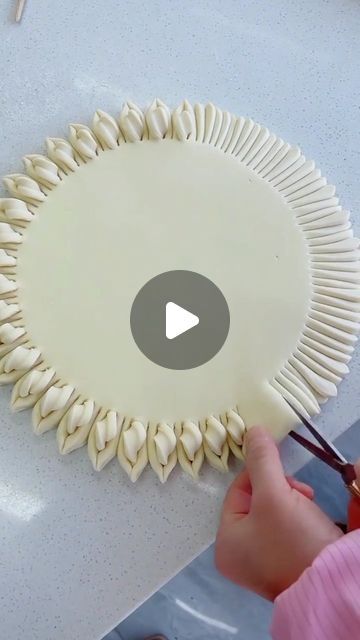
<point x="270" y="530"/>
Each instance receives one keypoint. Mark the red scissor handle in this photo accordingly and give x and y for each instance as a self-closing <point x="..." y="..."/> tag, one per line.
<point x="354" y="514"/>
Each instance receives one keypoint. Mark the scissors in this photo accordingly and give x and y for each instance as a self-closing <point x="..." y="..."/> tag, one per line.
<point x="334" y="459"/>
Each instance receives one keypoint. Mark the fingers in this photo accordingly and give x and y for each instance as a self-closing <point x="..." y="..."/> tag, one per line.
<point x="238" y="498"/>
<point x="263" y="461"/>
<point x="264" y="472"/>
<point x="301" y="487"/>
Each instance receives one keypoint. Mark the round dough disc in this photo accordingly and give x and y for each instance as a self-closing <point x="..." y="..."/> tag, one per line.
<point x="196" y="190"/>
<point x="148" y="208"/>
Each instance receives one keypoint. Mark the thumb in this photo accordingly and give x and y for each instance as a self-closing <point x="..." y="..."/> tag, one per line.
<point x="263" y="461"/>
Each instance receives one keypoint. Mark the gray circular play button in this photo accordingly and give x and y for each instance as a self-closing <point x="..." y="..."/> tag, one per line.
<point x="180" y="319"/>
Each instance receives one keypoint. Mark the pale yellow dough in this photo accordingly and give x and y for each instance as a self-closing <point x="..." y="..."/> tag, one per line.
<point x="118" y="203"/>
<point x="146" y="208"/>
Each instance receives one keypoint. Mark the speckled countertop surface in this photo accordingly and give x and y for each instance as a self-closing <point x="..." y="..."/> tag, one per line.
<point x="79" y="550"/>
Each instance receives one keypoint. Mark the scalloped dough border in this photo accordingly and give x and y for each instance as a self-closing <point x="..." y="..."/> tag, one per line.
<point x="312" y="371"/>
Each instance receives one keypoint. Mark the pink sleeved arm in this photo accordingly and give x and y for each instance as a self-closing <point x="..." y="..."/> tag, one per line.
<point x="324" y="603"/>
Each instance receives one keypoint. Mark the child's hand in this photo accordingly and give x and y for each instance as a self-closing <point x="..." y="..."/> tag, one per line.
<point x="270" y="529"/>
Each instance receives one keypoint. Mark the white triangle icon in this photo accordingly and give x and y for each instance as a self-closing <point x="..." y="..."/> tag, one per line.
<point x="178" y="320"/>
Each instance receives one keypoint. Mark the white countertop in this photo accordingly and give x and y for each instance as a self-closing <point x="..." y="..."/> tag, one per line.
<point x="79" y="550"/>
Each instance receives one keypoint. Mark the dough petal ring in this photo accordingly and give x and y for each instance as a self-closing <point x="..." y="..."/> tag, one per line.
<point x="286" y="227"/>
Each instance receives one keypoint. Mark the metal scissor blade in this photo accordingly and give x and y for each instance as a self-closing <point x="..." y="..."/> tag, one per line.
<point x="327" y="446"/>
<point x="317" y="451"/>
<point x="346" y="469"/>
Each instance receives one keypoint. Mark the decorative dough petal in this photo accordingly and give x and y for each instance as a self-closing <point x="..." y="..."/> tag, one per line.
<point x="246" y="143"/>
<point x="277" y="152"/>
<point x="10" y="332"/>
<point x="43" y="170"/>
<point x="30" y="387"/>
<point x="8" y="310"/>
<point x="183" y="120"/>
<point x="7" y="261"/>
<point x="215" y="443"/>
<point x="260" y="141"/>
<point x="236" y="430"/>
<point x="62" y="153"/>
<point x="103" y="438"/>
<point x="162" y="449"/>
<point x="50" y="408"/>
<point x="106" y="130"/>
<point x="132" y="122"/>
<point x="24" y="188"/>
<point x="7" y="286"/>
<point x="75" y="425"/>
<point x="226" y="123"/>
<point x="240" y="129"/>
<point x="8" y="235"/>
<point x="83" y="141"/>
<point x="190" y="450"/>
<point x="11" y="335"/>
<point x="158" y="120"/>
<point x="132" y="450"/>
<point x="15" y="210"/>
<point x="16" y="363"/>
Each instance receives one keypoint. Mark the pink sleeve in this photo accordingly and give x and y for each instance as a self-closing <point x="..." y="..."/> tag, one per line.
<point x="324" y="603"/>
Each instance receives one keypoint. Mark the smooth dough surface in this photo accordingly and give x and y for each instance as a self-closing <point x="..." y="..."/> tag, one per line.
<point x="137" y="211"/>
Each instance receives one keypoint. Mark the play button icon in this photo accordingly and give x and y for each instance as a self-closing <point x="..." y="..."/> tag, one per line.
<point x="179" y="319"/>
